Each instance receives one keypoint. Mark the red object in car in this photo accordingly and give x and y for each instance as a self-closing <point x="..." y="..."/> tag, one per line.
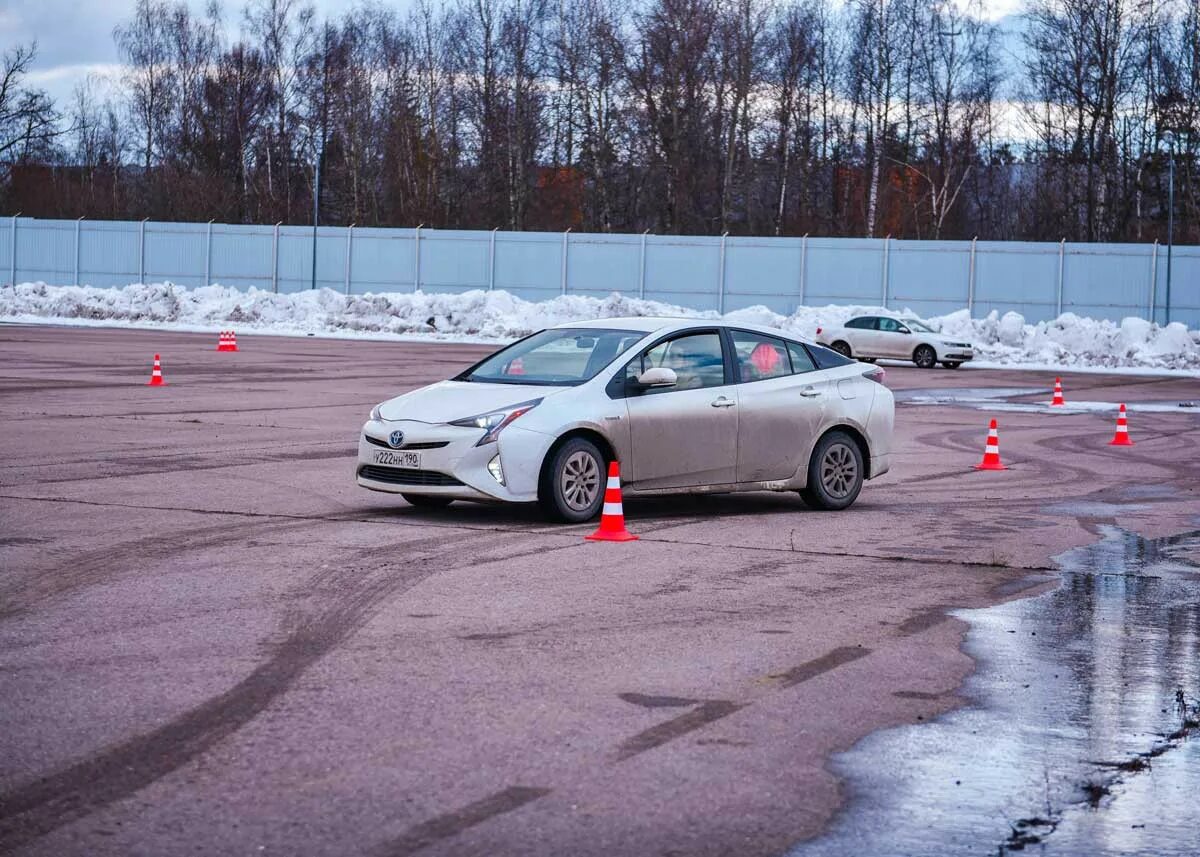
<point x="516" y="367"/>
<point x="765" y="357"/>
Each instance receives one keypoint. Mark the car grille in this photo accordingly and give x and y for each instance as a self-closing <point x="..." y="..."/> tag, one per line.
<point x="406" y="476"/>
<point x="429" y="444"/>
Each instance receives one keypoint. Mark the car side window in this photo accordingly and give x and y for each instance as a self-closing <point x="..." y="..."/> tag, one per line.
<point x="889" y="325"/>
<point x="801" y="360"/>
<point x="696" y="359"/>
<point x="760" y="357"/>
<point x="863" y="323"/>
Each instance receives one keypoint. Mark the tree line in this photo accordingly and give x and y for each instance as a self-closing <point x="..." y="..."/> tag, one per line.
<point x="910" y="118"/>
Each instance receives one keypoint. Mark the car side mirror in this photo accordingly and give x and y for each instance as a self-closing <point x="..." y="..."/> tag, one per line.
<point x="659" y="376"/>
<point x="903" y="330"/>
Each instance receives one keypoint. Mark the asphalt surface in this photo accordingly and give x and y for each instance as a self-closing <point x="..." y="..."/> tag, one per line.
<point x="213" y="641"/>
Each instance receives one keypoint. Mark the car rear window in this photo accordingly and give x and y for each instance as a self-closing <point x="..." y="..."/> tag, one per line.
<point x="827" y="358"/>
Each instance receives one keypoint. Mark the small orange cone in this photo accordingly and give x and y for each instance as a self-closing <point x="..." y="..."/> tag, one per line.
<point x="1058" y="396"/>
<point x="1121" y="438"/>
<point x="612" y="519"/>
<point x="156" y="378"/>
<point x="991" y="452"/>
<point x="227" y="341"/>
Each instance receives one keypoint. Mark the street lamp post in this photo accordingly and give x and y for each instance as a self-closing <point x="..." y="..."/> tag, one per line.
<point x="316" y="214"/>
<point x="1169" y="139"/>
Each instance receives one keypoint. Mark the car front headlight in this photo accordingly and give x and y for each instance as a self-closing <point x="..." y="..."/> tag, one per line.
<point x="375" y="415"/>
<point x="495" y="421"/>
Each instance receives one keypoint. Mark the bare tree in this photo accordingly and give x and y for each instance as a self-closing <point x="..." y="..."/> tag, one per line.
<point x="150" y="79"/>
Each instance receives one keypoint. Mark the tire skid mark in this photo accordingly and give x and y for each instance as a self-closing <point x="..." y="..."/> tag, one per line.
<point x="184" y="466"/>
<point x="450" y="824"/>
<point x="1174" y="465"/>
<point x="659" y="734"/>
<point x="110" y="562"/>
<point x="831" y="660"/>
<point x="350" y="596"/>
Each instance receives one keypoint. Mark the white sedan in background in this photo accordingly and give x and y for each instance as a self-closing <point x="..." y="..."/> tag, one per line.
<point x="869" y="337"/>
<point x="685" y="406"/>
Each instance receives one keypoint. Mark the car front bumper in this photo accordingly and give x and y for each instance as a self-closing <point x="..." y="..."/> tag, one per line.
<point x="458" y="469"/>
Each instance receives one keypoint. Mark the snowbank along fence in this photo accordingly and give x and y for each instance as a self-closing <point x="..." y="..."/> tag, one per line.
<point x="1037" y="280"/>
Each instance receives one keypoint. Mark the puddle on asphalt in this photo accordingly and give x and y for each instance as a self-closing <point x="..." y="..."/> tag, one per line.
<point x="1069" y="685"/>
<point x="994" y="399"/>
<point x="1092" y="509"/>
<point x="964" y="395"/>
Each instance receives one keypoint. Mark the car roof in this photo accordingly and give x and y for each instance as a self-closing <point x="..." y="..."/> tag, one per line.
<point x="665" y="324"/>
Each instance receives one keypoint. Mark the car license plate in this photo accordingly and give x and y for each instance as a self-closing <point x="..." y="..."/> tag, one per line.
<point x="399" y="459"/>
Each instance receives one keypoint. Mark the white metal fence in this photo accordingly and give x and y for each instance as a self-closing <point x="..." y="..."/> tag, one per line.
<point x="1038" y="280"/>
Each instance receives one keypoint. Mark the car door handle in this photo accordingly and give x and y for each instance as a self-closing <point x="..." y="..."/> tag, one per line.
<point x="724" y="403"/>
<point x="810" y="392"/>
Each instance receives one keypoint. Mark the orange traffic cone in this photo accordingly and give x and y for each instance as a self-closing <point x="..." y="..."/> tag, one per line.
<point x="1057" y="402"/>
<point x="612" y="519"/>
<point x="991" y="452"/>
<point x="156" y="378"/>
<point x="227" y="341"/>
<point x="1121" y="438"/>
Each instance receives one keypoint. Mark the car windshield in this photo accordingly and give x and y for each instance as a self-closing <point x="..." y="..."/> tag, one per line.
<point x="913" y="324"/>
<point x="558" y="357"/>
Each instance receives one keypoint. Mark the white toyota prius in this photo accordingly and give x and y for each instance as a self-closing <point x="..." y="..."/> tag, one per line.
<point x="685" y="406"/>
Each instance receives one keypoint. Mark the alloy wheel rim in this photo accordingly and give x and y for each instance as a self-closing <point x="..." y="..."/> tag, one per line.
<point x="839" y="471"/>
<point x="924" y="358"/>
<point x="580" y="481"/>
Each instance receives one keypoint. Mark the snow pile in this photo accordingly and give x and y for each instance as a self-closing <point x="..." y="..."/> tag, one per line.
<point x="1068" y="341"/>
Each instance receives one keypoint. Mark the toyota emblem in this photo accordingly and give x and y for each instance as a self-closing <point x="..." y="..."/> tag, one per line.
<point x="396" y="439"/>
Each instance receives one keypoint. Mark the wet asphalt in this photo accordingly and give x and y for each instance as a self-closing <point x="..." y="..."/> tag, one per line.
<point x="212" y="641"/>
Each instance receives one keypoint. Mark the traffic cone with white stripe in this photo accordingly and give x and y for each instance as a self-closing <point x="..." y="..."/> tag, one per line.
<point x="156" y="378"/>
<point x="1121" y="438"/>
<point x="612" y="519"/>
<point x="1058" y="401"/>
<point x="991" y="452"/>
<point x="227" y="341"/>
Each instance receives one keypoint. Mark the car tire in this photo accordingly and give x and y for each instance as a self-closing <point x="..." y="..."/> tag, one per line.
<point x="427" y="501"/>
<point x="952" y="364"/>
<point x="868" y="359"/>
<point x="835" y="473"/>
<point x="925" y="357"/>
<point x="841" y="347"/>
<point x="571" y="488"/>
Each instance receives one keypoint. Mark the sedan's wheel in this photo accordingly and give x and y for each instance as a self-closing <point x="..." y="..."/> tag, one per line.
<point x="925" y="357"/>
<point x="835" y="472"/>
<point x="428" y="501"/>
<point x="842" y="348"/>
<point x="573" y="482"/>
<point x="952" y="364"/>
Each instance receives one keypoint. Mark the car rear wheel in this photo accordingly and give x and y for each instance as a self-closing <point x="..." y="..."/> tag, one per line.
<point x="925" y="357"/>
<point x="842" y="348"/>
<point x="952" y="364"/>
<point x="835" y="473"/>
<point x="572" y="485"/>
<point x="427" y="501"/>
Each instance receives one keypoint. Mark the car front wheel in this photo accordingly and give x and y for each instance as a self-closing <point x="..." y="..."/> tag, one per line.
<point x="925" y="357"/>
<point x="835" y="473"/>
<point x="572" y="485"/>
<point x="952" y="364"/>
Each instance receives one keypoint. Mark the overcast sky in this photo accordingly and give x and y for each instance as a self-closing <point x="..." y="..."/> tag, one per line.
<point x="75" y="36"/>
